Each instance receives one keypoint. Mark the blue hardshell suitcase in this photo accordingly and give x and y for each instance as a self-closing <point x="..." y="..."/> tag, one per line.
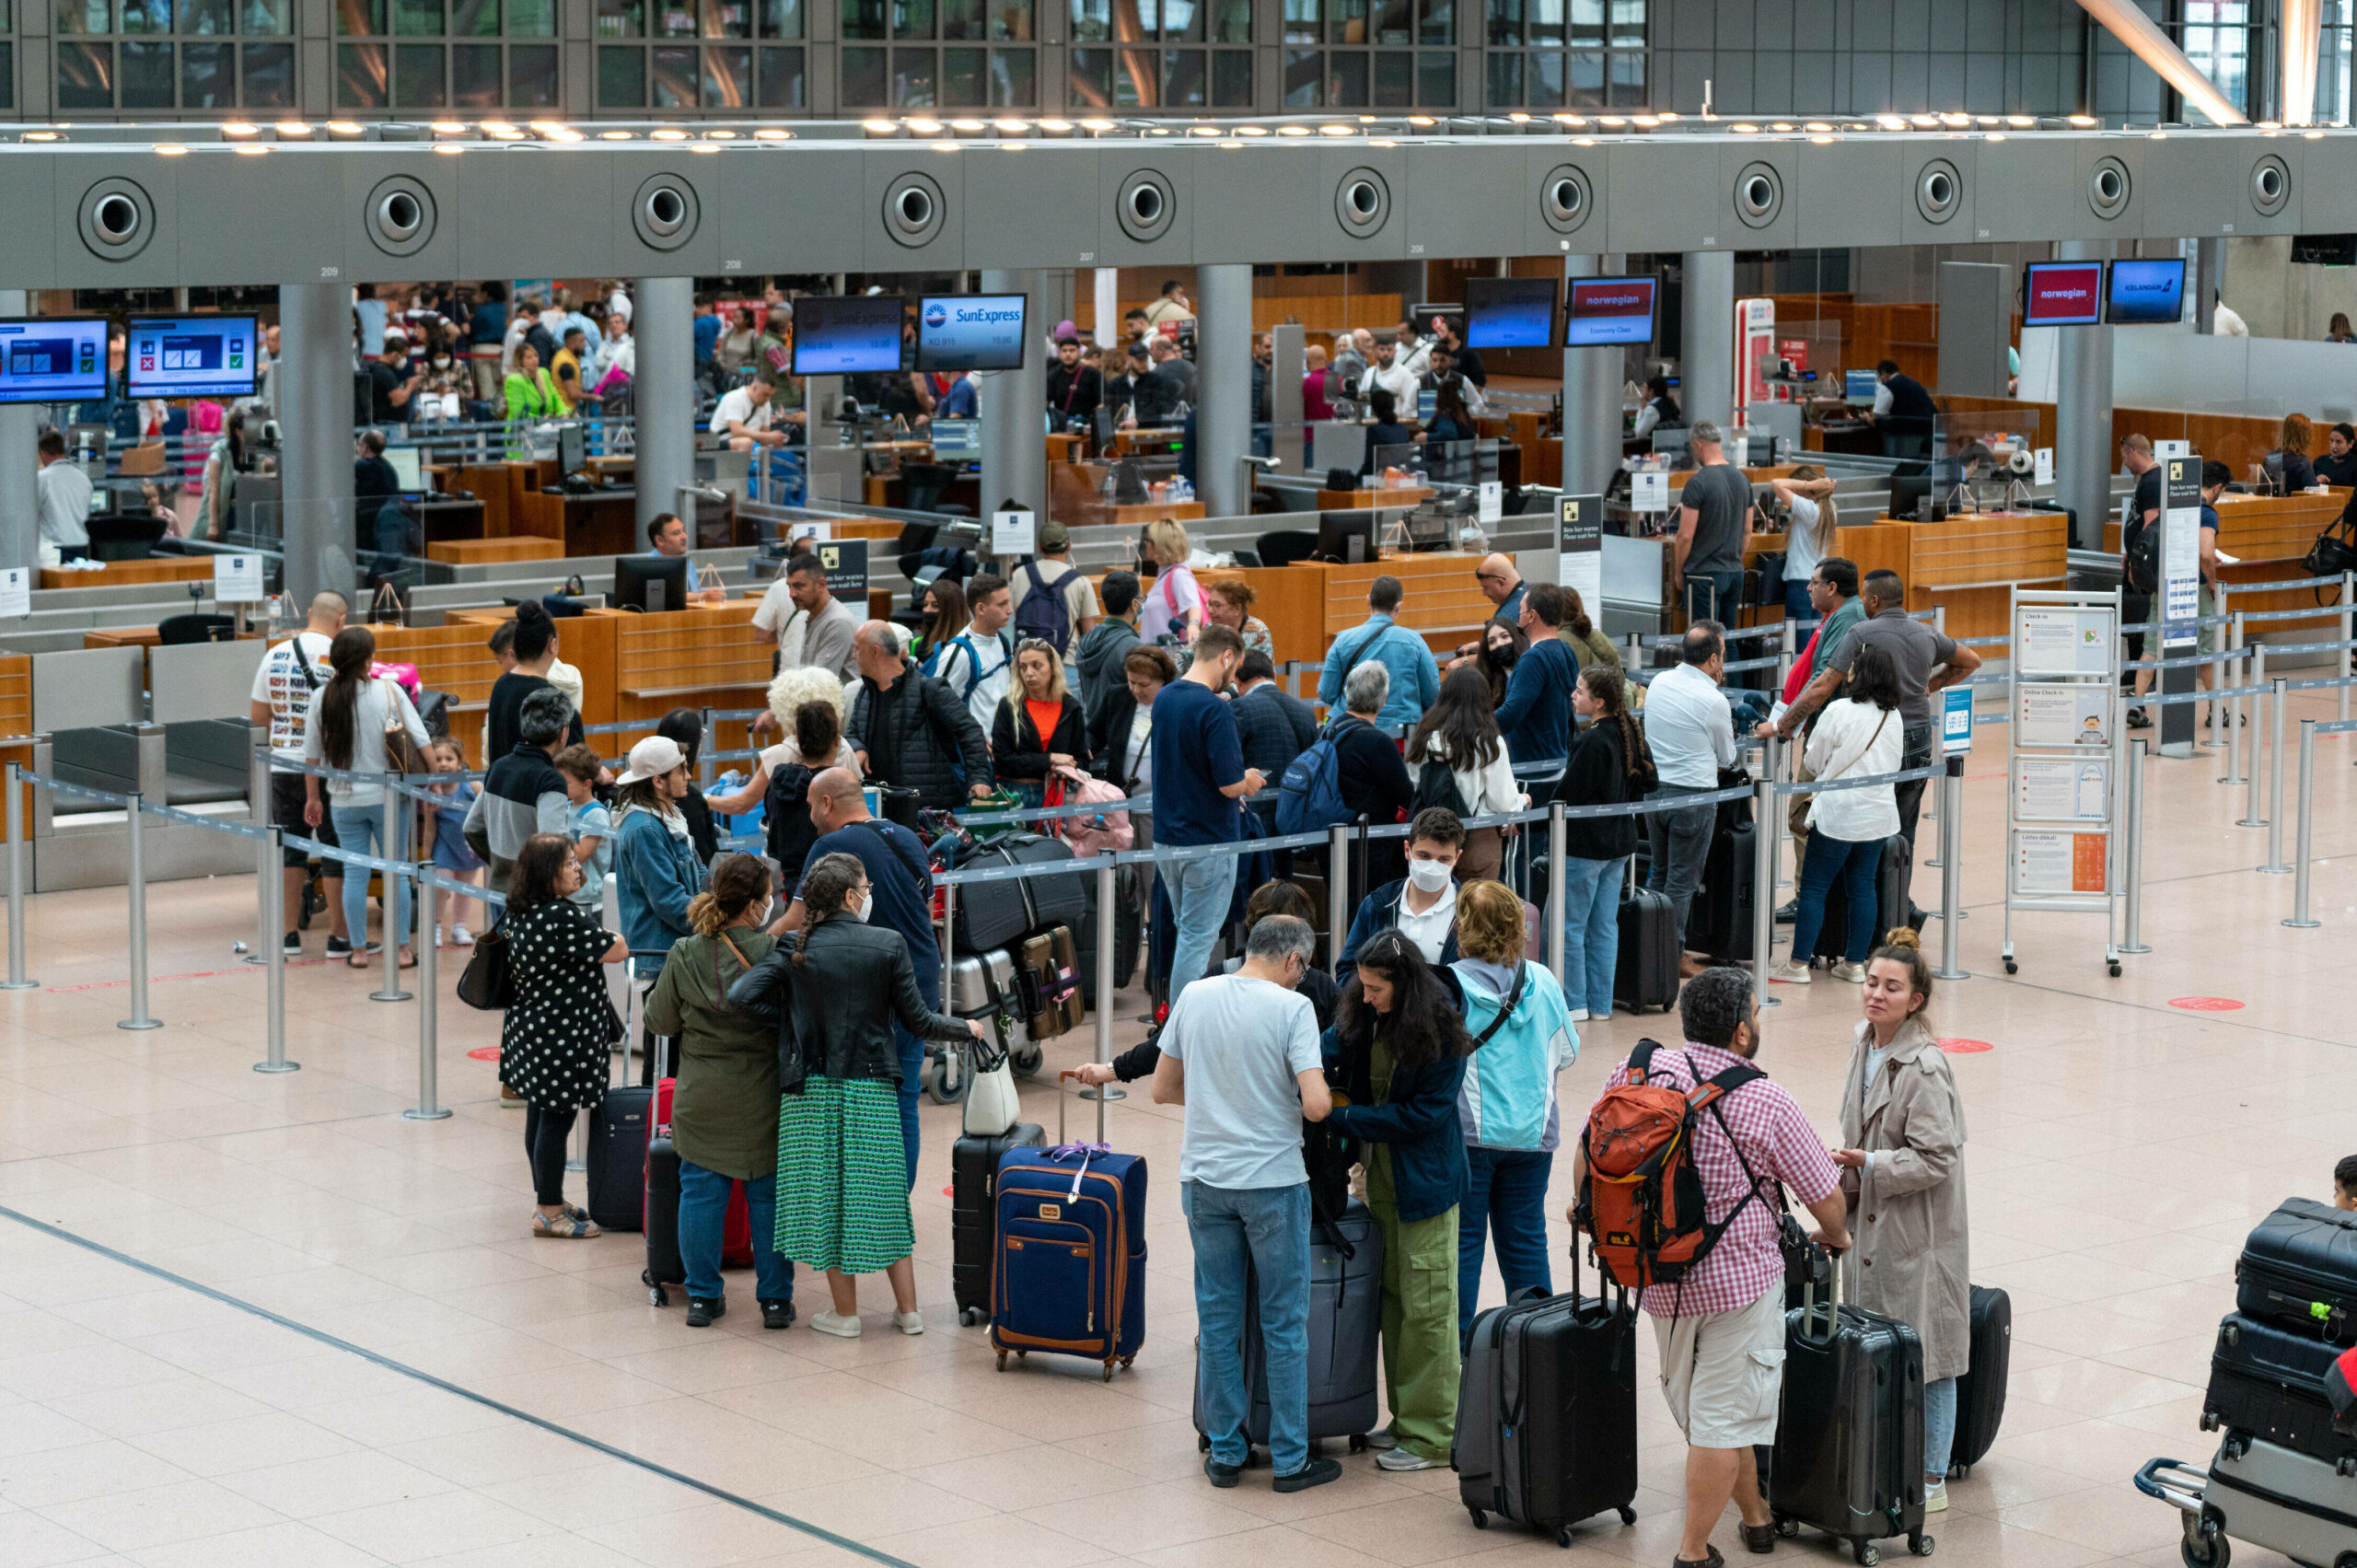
<point x="1071" y="1273"/>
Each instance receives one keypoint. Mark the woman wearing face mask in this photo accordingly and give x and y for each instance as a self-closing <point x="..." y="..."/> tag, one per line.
<point x="723" y="1108"/>
<point x="1503" y="646"/>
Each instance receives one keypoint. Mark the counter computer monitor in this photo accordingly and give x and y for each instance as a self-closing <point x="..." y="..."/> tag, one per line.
<point x="1510" y="313"/>
<point x="1610" y="311"/>
<point x="572" y="451"/>
<point x="970" y="331"/>
<point x="1427" y="404"/>
<point x="2062" y="294"/>
<point x="1908" y="494"/>
<point x="1347" y="536"/>
<point x="50" y="360"/>
<point x="652" y="582"/>
<point x="2145" y="292"/>
<point x="1857" y="386"/>
<point x="955" y="438"/>
<point x="847" y="336"/>
<point x="192" y="357"/>
<point x="406" y="463"/>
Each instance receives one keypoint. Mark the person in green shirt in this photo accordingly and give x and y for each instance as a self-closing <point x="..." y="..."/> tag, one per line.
<point x="531" y="395"/>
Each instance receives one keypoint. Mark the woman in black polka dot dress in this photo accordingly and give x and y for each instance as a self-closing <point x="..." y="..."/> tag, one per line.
<point x="554" y="1044"/>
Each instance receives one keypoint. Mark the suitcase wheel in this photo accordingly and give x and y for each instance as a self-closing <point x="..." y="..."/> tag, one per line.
<point x="1127" y="1362"/>
<point x="2204" y="1543"/>
<point x="1866" y="1552"/>
<point x="1481" y="1520"/>
<point x="1358" y="1441"/>
<point x="1919" y="1544"/>
<point x="1203" y="1442"/>
<point x="657" y="1297"/>
<point x="1001" y="1361"/>
<point x="1563" y="1536"/>
<point x="973" y="1317"/>
<point x="1628" y="1514"/>
<point x="1787" y="1528"/>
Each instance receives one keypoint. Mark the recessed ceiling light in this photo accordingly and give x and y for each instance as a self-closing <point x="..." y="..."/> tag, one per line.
<point x="1337" y="130"/>
<point x="1011" y="125"/>
<point x="771" y="134"/>
<point x="345" y="127"/>
<point x="1293" y="130"/>
<point x="945" y="146"/>
<point x="254" y="150"/>
<point x="879" y="127"/>
<point x="722" y="135"/>
<point x="1056" y="127"/>
<point x="1098" y="124"/>
<point x="293" y="128"/>
<point x="704" y="147"/>
<point x="40" y="135"/>
<point x="237" y="128"/>
<point x="2083" y="121"/>
<point x="449" y="128"/>
<point x="1231" y="145"/>
<point x="926" y="127"/>
<point x="496" y="126"/>
<point x="171" y="150"/>
<point x="969" y="126"/>
<point x="1252" y="130"/>
<point x="668" y="134"/>
<point x="450" y="147"/>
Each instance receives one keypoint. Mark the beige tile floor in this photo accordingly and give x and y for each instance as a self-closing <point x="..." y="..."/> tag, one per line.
<point x="2120" y="1149"/>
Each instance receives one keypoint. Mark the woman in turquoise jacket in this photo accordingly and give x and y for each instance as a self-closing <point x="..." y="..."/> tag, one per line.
<point x="656" y="873"/>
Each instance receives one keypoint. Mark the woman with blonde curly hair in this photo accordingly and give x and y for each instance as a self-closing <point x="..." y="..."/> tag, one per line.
<point x="787" y="695"/>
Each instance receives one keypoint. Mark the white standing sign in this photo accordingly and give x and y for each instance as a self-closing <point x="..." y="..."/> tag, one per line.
<point x="15" y="592"/>
<point x="2042" y="461"/>
<point x="1649" y="491"/>
<point x="1015" y="533"/>
<point x="238" y="578"/>
<point x="1493" y="504"/>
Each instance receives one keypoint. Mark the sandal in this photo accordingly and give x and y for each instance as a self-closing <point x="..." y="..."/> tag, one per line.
<point x="1759" y="1540"/>
<point x="564" y="1227"/>
<point x="357" y="961"/>
<point x="410" y="962"/>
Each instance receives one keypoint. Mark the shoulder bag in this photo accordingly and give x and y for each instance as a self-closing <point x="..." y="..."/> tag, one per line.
<point x="487" y="984"/>
<point x="401" y="755"/>
<point x="1850" y="762"/>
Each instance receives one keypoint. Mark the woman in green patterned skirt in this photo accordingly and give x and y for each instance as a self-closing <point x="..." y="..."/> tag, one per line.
<point x="834" y="990"/>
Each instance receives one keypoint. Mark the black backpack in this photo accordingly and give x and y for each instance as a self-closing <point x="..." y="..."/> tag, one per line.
<point x="1436" y="786"/>
<point x="2143" y="566"/>
<point x="1044" y="612"/>
<point x="785" y="817"/>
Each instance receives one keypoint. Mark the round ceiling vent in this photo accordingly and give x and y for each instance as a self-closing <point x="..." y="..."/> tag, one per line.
<point x="1362" y="202"/>
<point x="1565" y="197"/>
<point x="1147" y="207"/>
<point x="665" y="212"/>
<point x="1759" y="195"/>
<point x="401" y="215"/>
<point x="2108" y="187"/>
<point x="2270" y="185"/>
<point x="117" y="219"/>
<point x="1939" y="191"/>
<point x="914" y="210"/>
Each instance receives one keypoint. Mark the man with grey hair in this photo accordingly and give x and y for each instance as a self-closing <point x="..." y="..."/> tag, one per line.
<point x="1373" y="780"/>
<point x="1240" y="1053"/>
<point x="523" y="793"/>
<point x="907" y="728"/>
<point x="1714" y="514"/>
<point x="1415" y="677"/>
<point x="1691" y="732"/>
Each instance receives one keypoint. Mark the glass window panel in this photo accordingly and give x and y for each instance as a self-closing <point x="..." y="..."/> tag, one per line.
<point x="623" y="18"/>
<point x="1346" y="83"/>
<point x="532" y="76"/>
<point x="962" y="18"/>
<point x="359" y="19"/>
<point x="1300" y="23"/>
<point x="360" y="75"/>
<point x="1543" y="77"/>
<point x="916" y="79"/>
<point x="417" y="19"/>
<point x="1015" y="78"/>
<point x="863" y="19"/>
<point x="1182" y="78"/>
<point x="86" y="17"/>
<point x="1505" y="23"/>
<point x="1231" y="21"/>
<point x="1546" y="23"/>
<point x="1231" y="79"/>
<point x="1588" y="23"/>
<point x="7" y="76"/>
<point x="1088" y="82"/>
<point x="208" y="76"/>
<point x="912" y="19"/>
<point x="1505" y="80"/>
<point x="8" y="17"/>
<point x="1586" y="79"/>
<point x="474" y="18"/>
<point x="1395" y="80"/>
<point x="1135" y="21"/>
<point x="672" y="75"/>
<point x="674" y="19"/>
<point x="1305" y="78"/>
<point x="1628" y="24"/>
<point x="962" y="73"/>
<point x="474" y="75"/>
<point x="84" y="76"/>
<point x="1346" y="21"/>
<point x="146" y="75"/>
<point x="1436" y="21"/>
<point x="863" y="78"/>
<point x="1183" y="22"/>
<point x="780" y="18"/>
<point x="1628" y="72"/>
<point x="1091" y="20"/>
<point x="1436" y="79"/>
<point x="531" y="18"/>
<point x="208" y="17"/>
<point x="727" y="18"/>
<point x="269" y="73"/>
<point x="781" y="79"/>
<point x="267" y="18"/>
<point x="622" y="78"/>
<point x="727" y="76"/>
<point x="418" y="81"/>
<point x="1395" y="21"/>
<point x="1011" y="20"/>
<point x="146" y="16"/>
<point x="1137" y="79"/>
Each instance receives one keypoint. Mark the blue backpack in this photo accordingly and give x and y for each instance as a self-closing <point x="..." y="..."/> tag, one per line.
<point x="1309" y="796"/>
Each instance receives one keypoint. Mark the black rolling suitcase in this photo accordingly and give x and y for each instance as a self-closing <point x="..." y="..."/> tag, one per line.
<point x="973" y="1213"/>
<point x="1345" y="1311"/>
<point x="664" y="1266"/>
<point x="1890" y="900"/>
<point x="2267" y="1382"/>
<point x="1719" y="920"/>
<point x="1848" y="1455"/>
<point x="1547" y="1412"/>
<point x="618" y="1129"/>
<point x="1980" y="1392"/>
<point x="2300" y="1267"/>
<point x="1645" y="973"/>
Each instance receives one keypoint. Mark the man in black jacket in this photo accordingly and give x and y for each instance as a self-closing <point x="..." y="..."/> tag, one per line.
<point x="1904" y="412"/>
<point x="908" y="729"/>
<point x="1073" y="387"/>
<point x="1272" y="726"/>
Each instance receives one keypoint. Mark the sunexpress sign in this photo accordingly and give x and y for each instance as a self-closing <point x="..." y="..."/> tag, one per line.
<point x="970" y="332"/>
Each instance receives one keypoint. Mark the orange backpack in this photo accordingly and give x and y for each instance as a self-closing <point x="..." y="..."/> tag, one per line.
<point x="1640" y="1198"/>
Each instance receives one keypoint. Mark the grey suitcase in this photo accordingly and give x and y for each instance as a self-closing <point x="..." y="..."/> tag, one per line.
<point x="1345" y="1310"/>
<point x="2262" y="1495"/>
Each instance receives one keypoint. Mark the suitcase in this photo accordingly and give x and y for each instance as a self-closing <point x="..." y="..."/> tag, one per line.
<point x="1047" y="982"/>
<point x="1890" y="900"/>
<point x="663" y="1264"/>
<point x="1345" y="1310"/>
<point x="1125" y="935"/>
<point x="1719" y="920"/>
<point x="1645" y="974"/>
<point x="2284" y="1502"/>
<point x="1849" y="1453"/>
<point x="990" y="915"/>
<point x="1060" y="900"/>
<point x="1547" y="1413"/>
<point x="1980" y="1392"/>
<point x="2267" y="1382"/>
<point x="2300" y="1267"/>
<point x="980" y="983"/>
<point x="1070" y="1267"/>
<point x="973" y="1213"/>
<point x="617" y="1127"/>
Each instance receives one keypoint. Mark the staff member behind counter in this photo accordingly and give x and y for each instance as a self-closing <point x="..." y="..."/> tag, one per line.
<point x="1903" y="412"/>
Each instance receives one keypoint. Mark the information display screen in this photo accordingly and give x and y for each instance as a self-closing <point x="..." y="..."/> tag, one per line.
<point x="53" y="361"/>
<point x="970" y="331"/>
<point x="850" y="336"/>
<point x="1510" y="313"/>
<point x="1610" y="310"/>
<point x="2143" y="292"/>
<point x="2062" y="294"/>
<point x="193" y="356"/>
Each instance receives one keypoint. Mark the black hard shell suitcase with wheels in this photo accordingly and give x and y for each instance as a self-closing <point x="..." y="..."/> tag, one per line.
<point x="1719" y="920"/>
<point x="1980" y="1392"/>
<point x="1547" y="1413"/>
<point x="2299" y="1268"/>
<point x="664" y="1266"/>
<point x="1848" y="1455"/>
<point x="1891" y="901"/>
<point x="2267" y="1382"/>
<point x="617" y="1126"/>
<point x="973" y="1213"/>
<point x="1345" y="1310"/>
<point x="1645" y="973"/>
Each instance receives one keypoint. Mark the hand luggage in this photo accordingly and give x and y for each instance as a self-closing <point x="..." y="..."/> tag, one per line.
<point x="1055" y="900"/>
<point x="973" y="1213"/>
<point x="1891" y="901"/>
<point x="1048" y="983"/>
<point x="1070" y="1277"/>
<point x="2280" y="1501"/>
<point x="980" y="983"/>
<point x="1547" y="1412"/>
<point x="618" y="1128"/>
<point x="1849" y="1454"/>
<point x="1345" y="1310"/>
<point x="2267" y="1384"/>
<point x="1645" y="974"/>
<point x="1980" y="1392"/>
<point x="1719" y="920"/>
<point x="2300" y="1268"/>
<point x="990" y="914"/>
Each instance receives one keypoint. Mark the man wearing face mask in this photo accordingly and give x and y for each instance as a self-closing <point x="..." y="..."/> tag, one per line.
<point x="899" y="883"/>
<point x="1422" y="906"/>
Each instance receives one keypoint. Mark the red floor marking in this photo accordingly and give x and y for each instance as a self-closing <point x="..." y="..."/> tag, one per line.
<point x="949" y="1192"/>
<point x="484" y="1053"/>
<point x="2206" y="1003"/>
<point x="1965" y="1047"/>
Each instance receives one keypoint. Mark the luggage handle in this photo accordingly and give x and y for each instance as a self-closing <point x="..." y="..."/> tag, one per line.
<point x="1109" y="1093"/>
<point x="1821" y="1265"/>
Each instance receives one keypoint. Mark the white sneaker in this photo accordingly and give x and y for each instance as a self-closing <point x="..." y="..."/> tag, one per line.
<point x="459" y="937"/>
<point x="835" y="1323"/>
<point x="1935" y="1497"/>
<point x="909" y="1323"/>
<point x="1789" y="973"/>
<point x="1579" y="1014"/>
<point x="437" y="937"/>
<point x="1855" y="973"/>
<point x="1401" y="1460"/>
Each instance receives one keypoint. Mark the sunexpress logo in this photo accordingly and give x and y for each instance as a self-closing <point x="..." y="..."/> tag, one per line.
<point x="988" y="316"/>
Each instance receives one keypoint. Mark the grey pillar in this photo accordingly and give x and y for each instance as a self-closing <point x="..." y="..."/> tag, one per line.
<point x="1014" y="408"/>
<point x="1287" y="366"/>
<point x="1706" y="364"/>
<point x="1591" y="398"/>
<point x="665" y="395"/>
<point x="1223" y="381"/>
<point x="2210" y="265"/>
<point x="19" y="490"/>
<point x="2083" y="450"/>
<point x="315" y="408"/>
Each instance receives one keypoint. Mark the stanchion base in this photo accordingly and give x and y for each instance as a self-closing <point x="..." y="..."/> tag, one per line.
<point x="390" y="996"/>
<point x="1108" y="1092"/>
<point x="2275" y="871"/>
<point x="425" y="1115"/>
<point x="19" y="985"/>
<point x="573" y="1165"/>
<point x="2250" y="822"/>
<point x="2294" y="925"/>
<point x="141" y="1024"/>
<point x="2143" y="948"/>
<point x="278" y="1066"/>
<point x="1951" y="974"/>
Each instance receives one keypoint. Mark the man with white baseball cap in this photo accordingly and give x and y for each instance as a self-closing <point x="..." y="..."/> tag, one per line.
<point x="655" y="870"/>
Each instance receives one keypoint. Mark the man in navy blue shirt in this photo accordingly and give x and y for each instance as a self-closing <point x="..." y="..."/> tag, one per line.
<point x="1536" y="717"/>
<point x="1198" y="776"/>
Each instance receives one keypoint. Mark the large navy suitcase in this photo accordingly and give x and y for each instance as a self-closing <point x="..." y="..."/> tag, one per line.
<point x="1547" y="1413"/>
<point x="1345" y="1310"/>
<point x="973" y="1213"/>
<point x="618" y="1132"/>
<point x="1980" y="1392"/>
<point x="2267" y="1382"/>
<point x="1071" y="1271"/>
<point x="2300" y="1267"/>
<point x="1719" y="920"/>
<point x="1645" y="973"/>
<point x="1849" y="1454"/>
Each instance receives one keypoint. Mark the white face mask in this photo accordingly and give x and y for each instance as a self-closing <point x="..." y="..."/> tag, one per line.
<point x="761" y="915"/>
<point x="1429" y="876"/>
<point x="858" y="912"/>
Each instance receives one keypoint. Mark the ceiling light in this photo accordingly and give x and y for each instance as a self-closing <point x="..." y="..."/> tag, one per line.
<point x="1383" y="142"/>
<point x="293" y="128"/>
<point x="1611" y="120"/>
<point x="565" y="134"/>
<point x="1821" y="140"/>
<point x="345" y="127"/>
<point x="945" y="146"/>
<point x="237" y="128"/>
<point x="614" y="135"/>
<point x="1648" y="120"/>
<point x="1584" y="141"/>
<point x="1202" y="131"/>
<point x="1781" y="125"/>
<point x="545" y="127"/>
<point x="449" y="128"/>
<point x="1231" y="147"/>
<point x="1293" y="130"/>
<point x="2021" y="122"/>
<point x="40" y="135"/>
<point x="722" y="135"/>
<point x="2084" y="121"/>
<point x="1746" y="130"/>
<point x="494" y="126"/>
<point x="1571" y="120"/>
<point x="252" y="150"/>
<point x="1956" y="119"/>
<point x="508" y="135"/>
<point x="1098" y="125"/>
<point x="1337" y="130"/>
<point x="704" y="147"/>
<point x="1015" y="146"/>
<point x="2312" y="136"/>
<point x="1996" y="135"/>
<point x="1252" y="130"/>
<point x="2271" y="124"/>
<point x="1013" y="126"/>
<point x="926" y="127"/>
<point x="171" y="150"/>
<point x="2160" y="135"/>
<point x="1517" y="117"/>
<point x="771" y="134"/>
<point x="879" y="127"/>
<point x="1818" y="125"/>
<point x="668" y="134"/>
<point x="1158" y="131"/>
<point x="969" y="126"/>
<point x="1056" y="127"/>
<point x="1422" y="120"/>
<point x="450" y="147"/>
<point x="1987" y="119"/>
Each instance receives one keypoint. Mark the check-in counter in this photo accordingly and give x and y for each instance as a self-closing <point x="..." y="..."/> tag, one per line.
<point x="1968" y="564"/>
<point x="2268" y="535"/>
<point x="1309" y="603"/>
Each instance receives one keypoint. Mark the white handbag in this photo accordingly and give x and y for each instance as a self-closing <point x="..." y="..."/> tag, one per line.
<point x="992" y="1106"/>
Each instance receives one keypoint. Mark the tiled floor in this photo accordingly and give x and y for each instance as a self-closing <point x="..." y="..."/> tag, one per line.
<point x="2120" y="1149"/>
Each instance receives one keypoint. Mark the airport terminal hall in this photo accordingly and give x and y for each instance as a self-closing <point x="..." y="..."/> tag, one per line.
<point x="1208" y="783"/>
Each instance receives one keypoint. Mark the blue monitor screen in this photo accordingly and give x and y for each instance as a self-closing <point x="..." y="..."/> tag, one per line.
<point x="955" y="438"/>
<point x="2145" y="292"/>
<point x="1510" y="313"/>
<point x="53" y="361"/>
<point x="1427" y="402"/>
<point x="1858" y="384"/>
<point x="850" y="336"/>
<point x="193" y="356"/>
<point x="970" y="331"/>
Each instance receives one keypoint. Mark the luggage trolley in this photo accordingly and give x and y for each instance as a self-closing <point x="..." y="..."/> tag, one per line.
<point x="2273" y="1498"/>
<point x="2063" y="846"/>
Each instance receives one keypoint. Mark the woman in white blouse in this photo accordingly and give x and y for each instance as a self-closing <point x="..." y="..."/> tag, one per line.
<point x="1858" y="734"/>
<point x="1459" y="733"/>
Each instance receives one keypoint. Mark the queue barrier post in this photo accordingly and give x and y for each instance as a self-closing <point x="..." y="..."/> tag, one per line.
<point x="17" y="980"/>
<point x="137" y="925"/>
<point x="2139" y="751"/>
<point x="1338" y="891"/>
<point x="429" y="1031"/>
<point x="266" y="865"/>
<point x="1951" y="869"/>
<point x="1104" y="895"/>
<point x="1558" y="939"/>
<point x="2348" y="619"/>
<point x="2301" y="919"/>
<point x="390" y="899"/>
<point x="2275" y="866"/>
<point x="1763" y="874"/>
<point x="2223" y="671"/>
<point x="273" y="953"/>
<point x="2253" y="673"/>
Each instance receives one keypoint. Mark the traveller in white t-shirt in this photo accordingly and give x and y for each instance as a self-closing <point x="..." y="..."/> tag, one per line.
<point x="284" y="682"/>
<point x="745" y="416"/>
<point x="978" y="665"/>
<point x="64" y="499"/>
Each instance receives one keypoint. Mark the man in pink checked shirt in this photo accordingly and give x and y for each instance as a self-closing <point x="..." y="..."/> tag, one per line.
<point x="1721" y="1328"/>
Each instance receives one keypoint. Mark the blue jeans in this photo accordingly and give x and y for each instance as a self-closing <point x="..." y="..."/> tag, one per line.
<point x="1592" y="929"/>
<point x="1854" y="864"/>
<point x="1939" y="1423"/>
<point x="1506" y="1194"/>
<point x="1713" y="596"/>
<point x="911" y="1089"/>
<point x="1202" y="890"/>
<point x="361" y="828"/>
<point x="1681" y="842"/>
<point x="1797" y="608"/>
<point x="704" y="1209"/>
<point x="1269" y="1227"/>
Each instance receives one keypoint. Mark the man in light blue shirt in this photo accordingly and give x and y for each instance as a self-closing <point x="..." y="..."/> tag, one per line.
<point x="1692" y="733"/>
<point x="1415" y="679"/>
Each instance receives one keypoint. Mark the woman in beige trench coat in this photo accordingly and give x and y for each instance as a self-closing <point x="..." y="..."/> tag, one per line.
<point x="1903" y="1169"/>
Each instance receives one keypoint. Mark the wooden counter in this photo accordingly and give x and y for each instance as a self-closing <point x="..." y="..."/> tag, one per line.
<point x="483" y="551"/>
<point x="1366" y="500"/>
<point x="706" y="657"/>
<point x="139" y="637"/>
<point x="2268" y="535"/>
<point x="1968" y="564"/>
<point x="129" y="574"/>
<point x="603" y="522"/>
<point x="1309" y="603"/>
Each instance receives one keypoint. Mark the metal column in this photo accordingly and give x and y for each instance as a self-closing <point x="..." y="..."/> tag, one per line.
<point x="2083" y="453"/>
<point x="1707" y="366"/>
<point x="1014" y="409"/>
<point x="663" y="325"/>
<point x="1591" y="399"/>
<point x="19" y="490"/>
<point x="1224" y="381"/>
<point x="314" y="400"/>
